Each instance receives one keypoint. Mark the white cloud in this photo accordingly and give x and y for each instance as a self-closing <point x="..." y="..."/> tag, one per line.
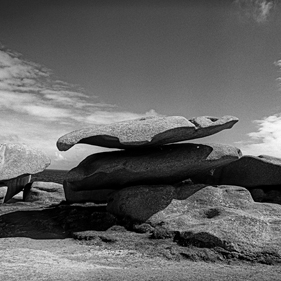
<point x="106" y="117"/>
<point x="36" y="109"/>
<point x="258" y="10"/>
<point x="266" y="140"/>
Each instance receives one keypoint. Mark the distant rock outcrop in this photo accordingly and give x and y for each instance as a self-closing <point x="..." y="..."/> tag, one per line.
<point x="147" y="131"/>
<point x="261" y="175"/>
<point x="17" y="163"/>
<point x="47" y="192"/>
<point x="249" y="171"/>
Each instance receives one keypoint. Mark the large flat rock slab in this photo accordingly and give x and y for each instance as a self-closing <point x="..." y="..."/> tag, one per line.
<point x="167" y="164"/>
<point x="19" y="159"/>
<point x="147" y="131"/>
<point x="17" y="163"/>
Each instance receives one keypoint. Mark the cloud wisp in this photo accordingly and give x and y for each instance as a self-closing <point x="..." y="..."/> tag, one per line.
<point x="266" y="140"/>
<point x="36" y="109"/>
<point x="257" y="10"/>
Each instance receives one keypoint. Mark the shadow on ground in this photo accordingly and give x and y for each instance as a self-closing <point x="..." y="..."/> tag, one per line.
<point x="51" y="222"/>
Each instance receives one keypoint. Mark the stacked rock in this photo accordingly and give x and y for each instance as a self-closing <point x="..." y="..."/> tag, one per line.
<point x="148" y="159"/>
<point x="17" y="163"/>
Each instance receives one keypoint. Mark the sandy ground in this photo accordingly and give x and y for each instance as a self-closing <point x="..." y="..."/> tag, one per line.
<point x="66" y="259"/>
<point x="34" y="247"/>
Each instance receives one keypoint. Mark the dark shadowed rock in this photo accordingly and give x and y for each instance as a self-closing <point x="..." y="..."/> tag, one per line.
<point x="270" y="194"/>
<point x="96" y="195"/>
<point x="139" y="203"/>
<point x="167" y="164"/>
<point x="147" y="131"/>
<point x="226" y="219"/>
<point x="47" y="192"/>
<point x="17" y="163"/>
<point x="249" y="171"/>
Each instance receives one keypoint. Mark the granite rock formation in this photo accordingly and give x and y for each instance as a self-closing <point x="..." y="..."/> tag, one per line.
<point x="18" y="162"/>
<point x="227" y="220"/>
<point x="261" y="175"/>
<point x="139" y="203"/>
<point x="147" y="131"/>
<point x="249" y="171"/>
<point x="167" y="164"/>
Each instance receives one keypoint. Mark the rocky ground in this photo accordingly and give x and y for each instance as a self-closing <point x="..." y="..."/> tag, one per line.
<point x="39" y="241"/>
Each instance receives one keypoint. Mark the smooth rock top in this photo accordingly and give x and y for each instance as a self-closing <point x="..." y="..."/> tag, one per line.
<point x="19" y="159"/>
<point x="147" y="131"/>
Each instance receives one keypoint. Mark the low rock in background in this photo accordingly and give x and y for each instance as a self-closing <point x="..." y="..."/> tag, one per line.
<point x="47" y="192"/>
<point x="249" y="171"/>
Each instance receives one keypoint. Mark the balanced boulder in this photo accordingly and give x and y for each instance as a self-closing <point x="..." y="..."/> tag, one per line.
<point x="17" y="163"/>
<point x="147" y="131"/>
<point x="166" y="164"/>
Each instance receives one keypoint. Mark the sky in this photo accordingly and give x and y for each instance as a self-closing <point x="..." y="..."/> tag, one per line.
<point x="69" y="64"/>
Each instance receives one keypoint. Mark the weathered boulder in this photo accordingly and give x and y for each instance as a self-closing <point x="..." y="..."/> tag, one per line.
<point x="248" y="171"/>
<point x="226" y="219"/>
<point x="139" y="203"/>
<point x="47" y="192"/>
<point x="17" y="163"/>
<point x="147" y="131"/>
<point x="98" y="196"/>
<point x="166" y="164"/>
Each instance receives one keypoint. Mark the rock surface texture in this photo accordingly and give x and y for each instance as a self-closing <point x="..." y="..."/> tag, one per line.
<point x="225" y="218"/>
<point x="167" y="164"/>
<point x="17" y="163"/>
<point x="139" y="203"/>
<point x="147" y="131"/>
